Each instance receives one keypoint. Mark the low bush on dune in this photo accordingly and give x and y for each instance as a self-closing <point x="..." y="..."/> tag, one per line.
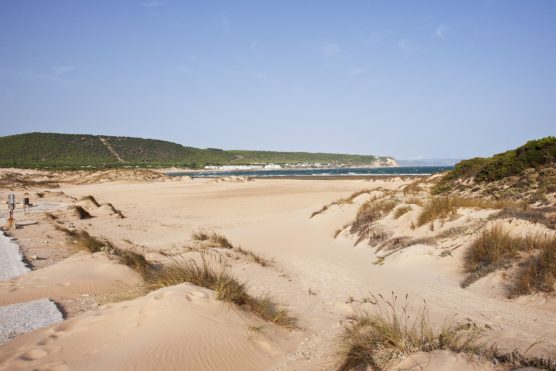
<point x="227" y="288"/>
<point x="445" y="206"/>
<point x="539" y="271"/>
<point x="370" y="212"/>
<point x="495" y="248"/>
<point x="380" y="339"/>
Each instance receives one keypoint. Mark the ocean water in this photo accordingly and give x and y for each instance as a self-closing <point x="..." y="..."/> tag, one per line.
<point x="381" y="171"/>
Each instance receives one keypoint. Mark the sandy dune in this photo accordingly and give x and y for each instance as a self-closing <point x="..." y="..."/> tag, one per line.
<point x="321" y="279"/>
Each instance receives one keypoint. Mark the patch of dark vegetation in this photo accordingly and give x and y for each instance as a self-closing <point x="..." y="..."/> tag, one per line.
<point x="535" y="154"/>
<point x="227" y="288"/>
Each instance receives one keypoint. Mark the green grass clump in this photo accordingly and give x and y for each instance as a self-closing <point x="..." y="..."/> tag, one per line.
<point x="379" y="339"/>
<point x="227" y="288"/>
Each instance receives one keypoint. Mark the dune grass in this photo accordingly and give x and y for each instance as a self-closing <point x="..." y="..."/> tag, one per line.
<point x="370" y="212"/>
<point x="445" y="206"/>
<point x="221" y="241"/>
<point x="495" y="248"/>
<point x="227" y="288"/>
<point x="379" y="339"/>
<point x="401" y="211"/>
<point x="341" y="201"/>
<point x="539" y="271"/>
<point x="217" y="239"/>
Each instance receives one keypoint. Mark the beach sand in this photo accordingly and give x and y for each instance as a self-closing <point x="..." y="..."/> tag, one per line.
<point x="320" y="279"/>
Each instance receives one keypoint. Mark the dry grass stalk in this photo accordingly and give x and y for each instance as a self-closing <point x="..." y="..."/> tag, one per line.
<point x="341" y="201"/>
<point x="401" y="211"/>
<point x="368" y="213"/>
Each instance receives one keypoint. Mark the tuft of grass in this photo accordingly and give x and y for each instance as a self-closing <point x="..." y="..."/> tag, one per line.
<point x="84" y="241"/>
<point x="401" y="211"/>
<point x="217" y="239"/>
<point x="370" y="212"/>
<point x="262" y="261"/>
<point x="493" y="249"/>
<point x="381" y="338"/>
<point x="444" y="206"/>
<point x="539" y="271"/>
<point x="227" y="288"/>
<point x="80" y="212"/>
<point x="91" y="199"/>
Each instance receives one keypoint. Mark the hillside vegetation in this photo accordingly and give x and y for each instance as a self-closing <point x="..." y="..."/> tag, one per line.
<point x="51" y="150"/>
<point x="527" y="171"/>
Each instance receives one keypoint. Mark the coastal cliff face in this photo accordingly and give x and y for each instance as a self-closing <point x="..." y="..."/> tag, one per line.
<point x="386" y="162"/>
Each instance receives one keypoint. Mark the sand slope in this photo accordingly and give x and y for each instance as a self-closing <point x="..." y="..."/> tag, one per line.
<point x="175" y="328"/>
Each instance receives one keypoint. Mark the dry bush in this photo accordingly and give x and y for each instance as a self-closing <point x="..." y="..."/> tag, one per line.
<point x="444" y="206"/>
<point x="370" y="212"/>
<point x="227" y="288"/>
<point x="495" y="248"/>
<point x="380" y="339"/>
<point x="539" y="271"/>
<point x="538" y="215"/>
<point x="401" y="211"/>
<point x="80" y="212"/>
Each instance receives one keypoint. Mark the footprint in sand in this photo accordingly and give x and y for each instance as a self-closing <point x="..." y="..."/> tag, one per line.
<point x="34" y="354"/>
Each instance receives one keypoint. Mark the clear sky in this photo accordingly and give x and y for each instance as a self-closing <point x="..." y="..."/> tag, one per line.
<point x="412" y="79"/>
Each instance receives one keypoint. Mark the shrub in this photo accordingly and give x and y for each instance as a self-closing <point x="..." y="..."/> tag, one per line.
<point x="539" y="272"/>
<point x="379" y="339"/>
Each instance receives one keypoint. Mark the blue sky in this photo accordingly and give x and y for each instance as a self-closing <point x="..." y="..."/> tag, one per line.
<point x="412" y="79"/>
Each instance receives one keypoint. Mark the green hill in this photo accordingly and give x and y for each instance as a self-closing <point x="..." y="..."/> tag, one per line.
<point x="534" y="154"/>
<point x="51" y="150"/>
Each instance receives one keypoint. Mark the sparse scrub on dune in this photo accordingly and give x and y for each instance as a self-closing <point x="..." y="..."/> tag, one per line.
<point x="444" y="206"/>
<point x="379" y="339"/>
<point x="80" y="212"/>
<point x="495" y="248"/>
<point x="370" y="212"/>
<point x="539" y="271"/>
<point x="227" y="288"/>
<point x="219" y="240"/>
<point x="83" y="240"/>
<point x="401" y="211"/>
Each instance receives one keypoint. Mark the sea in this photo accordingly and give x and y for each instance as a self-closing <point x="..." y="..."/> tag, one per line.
<point x="332" y="172"/>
